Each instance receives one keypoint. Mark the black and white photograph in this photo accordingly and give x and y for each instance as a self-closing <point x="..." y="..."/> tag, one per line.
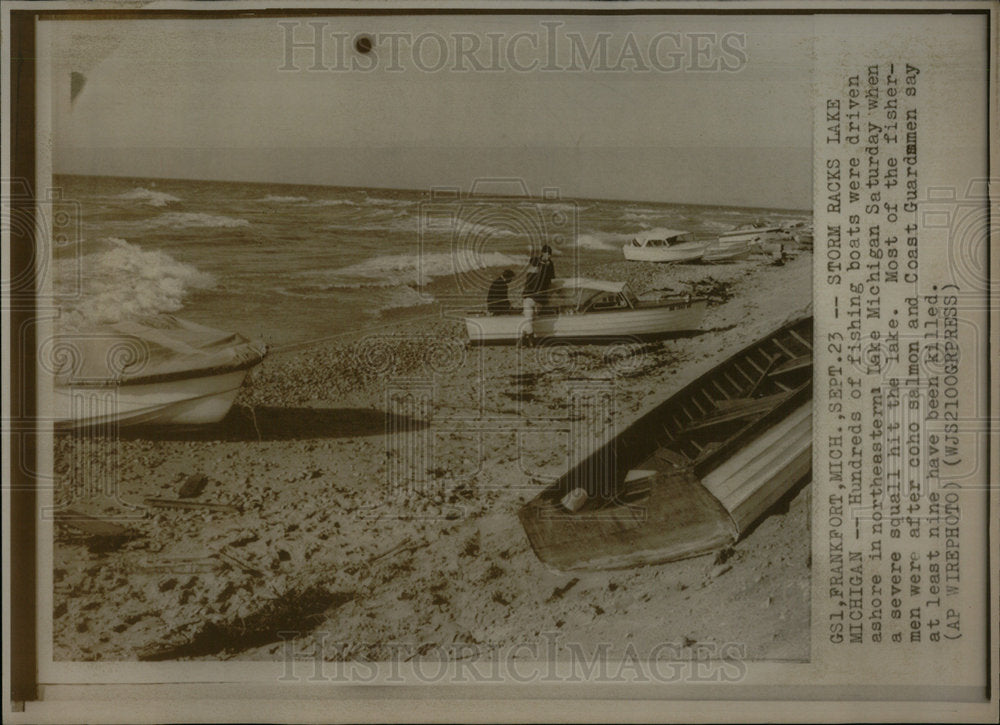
<point x="431" y="345"/>
<point x="377" y="333"/>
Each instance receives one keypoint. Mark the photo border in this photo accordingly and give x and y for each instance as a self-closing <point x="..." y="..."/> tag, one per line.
<point x="21" y="578"/>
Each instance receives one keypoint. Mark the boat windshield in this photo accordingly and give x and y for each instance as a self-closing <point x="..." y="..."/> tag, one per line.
<point x="666" y="241"/>
<point x="597" y="300"/>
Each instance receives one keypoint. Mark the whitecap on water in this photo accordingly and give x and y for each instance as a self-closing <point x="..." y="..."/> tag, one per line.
<point x="188" y="220"/>
<point x="122" y="280"/>
<point x="148" y="196"/>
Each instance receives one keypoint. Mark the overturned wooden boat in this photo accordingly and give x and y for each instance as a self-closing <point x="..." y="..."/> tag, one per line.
<point x="693" y="474"/>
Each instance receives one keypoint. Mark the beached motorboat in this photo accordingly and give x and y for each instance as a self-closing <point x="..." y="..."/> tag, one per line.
<point x="665" y="246"/>
<point x="588" y="308"/>
<point x="159" y="371"/>
<point x="758" y="231"/>
<point x="717" y="252"/>
<point x="692" y="474"/>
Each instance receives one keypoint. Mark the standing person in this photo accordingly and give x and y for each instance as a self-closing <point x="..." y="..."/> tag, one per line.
<point x="541" y="272"/>
<point x="528" y="323"/>
<point x="497" y="301"/>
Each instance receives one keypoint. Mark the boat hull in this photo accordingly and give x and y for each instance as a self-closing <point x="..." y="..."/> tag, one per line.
<point x="773" y="234"/>
<point x="687" y="252"/>
<point x="641" y="322"/>
<point x="694" y="473"/>
<point x="728" y="252"/>
<point x="184" y="401"/>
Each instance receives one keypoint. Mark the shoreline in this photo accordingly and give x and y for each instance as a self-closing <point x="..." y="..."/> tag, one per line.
<point x="326" y="542"/>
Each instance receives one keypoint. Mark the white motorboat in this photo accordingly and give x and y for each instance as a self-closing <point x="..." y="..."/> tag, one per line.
<point x="588" y="308"/>
<point x="719" y="251"/>
<point x="161" y="371"/>
<point x="665" y="246"/>
<point x="758" y="231"/>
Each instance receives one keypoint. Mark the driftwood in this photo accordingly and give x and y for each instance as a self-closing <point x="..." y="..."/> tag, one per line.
<point x="102" y="533"/>
<point x="239" y="564"/>
<point x="558" y="592"/>
<point x="173" y="503"/>
<point x="403" y="545"/>
<point x="182" y="565"/>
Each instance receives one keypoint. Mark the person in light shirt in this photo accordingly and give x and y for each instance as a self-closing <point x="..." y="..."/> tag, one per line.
<point x="528" y="305"/>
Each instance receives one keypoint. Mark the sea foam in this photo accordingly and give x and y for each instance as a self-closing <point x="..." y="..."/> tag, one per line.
<point x="190" y="220"/>
<point x="148" y="196"/>
<point x="122" y="281"/>
<point x="276" y="199"/>
<point x="394" y="270"/>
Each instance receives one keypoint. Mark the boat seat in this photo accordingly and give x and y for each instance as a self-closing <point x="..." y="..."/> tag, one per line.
<point x="735" y="410"/>
<point x="799" y="363"/>
<point x="674" y="458"/>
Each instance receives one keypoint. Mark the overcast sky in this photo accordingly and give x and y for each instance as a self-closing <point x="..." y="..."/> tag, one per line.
<point x="210" y="100"/>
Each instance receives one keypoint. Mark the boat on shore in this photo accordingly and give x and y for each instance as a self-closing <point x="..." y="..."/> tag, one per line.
<point x="717" y="252"/>
<point x="691" y="475"/>
<point x="582" y="308"/>
<point x="756" y="232"/>
<point x="161" y="371"/>
<point x="666" y="246"/>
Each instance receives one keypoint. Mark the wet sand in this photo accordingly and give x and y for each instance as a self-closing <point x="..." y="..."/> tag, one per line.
<point x="322" y="538"/>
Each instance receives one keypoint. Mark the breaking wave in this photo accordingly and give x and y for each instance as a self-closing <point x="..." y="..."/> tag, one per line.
<point x="122" y="281"/>
<point x="464" y="229"/>
<point x="601" y="240"/>
<point x="190" y="220"/>
<point x="332" y="202"/>
<point x="148" y="196"/>
<point x="273" y="199"/>
<point x="397" y="270"/>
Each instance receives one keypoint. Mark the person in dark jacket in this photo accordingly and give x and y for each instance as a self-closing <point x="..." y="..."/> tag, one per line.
<point x="497" y="300"/>
<point x="541" y="272"/>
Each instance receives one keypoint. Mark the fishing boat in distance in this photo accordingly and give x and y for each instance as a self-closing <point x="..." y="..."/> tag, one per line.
<point x="692" y="474"/>
<point x="581" y="308"/>
<point x="159" y="371"/>
<point x="665" y="246"/>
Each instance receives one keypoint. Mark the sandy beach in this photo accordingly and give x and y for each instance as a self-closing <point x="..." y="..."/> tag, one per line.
<point x="318" y="536"/>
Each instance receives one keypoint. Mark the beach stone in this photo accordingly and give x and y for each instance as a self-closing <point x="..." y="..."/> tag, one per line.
<point x="248" y="538"/>
<point x="192" y="485"/>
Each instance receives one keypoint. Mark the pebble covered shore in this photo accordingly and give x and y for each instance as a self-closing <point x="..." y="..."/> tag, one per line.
<point x="319" y="540"/>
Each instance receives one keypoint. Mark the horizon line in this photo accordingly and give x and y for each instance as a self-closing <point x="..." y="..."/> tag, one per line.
<point x="428" y="192"/>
